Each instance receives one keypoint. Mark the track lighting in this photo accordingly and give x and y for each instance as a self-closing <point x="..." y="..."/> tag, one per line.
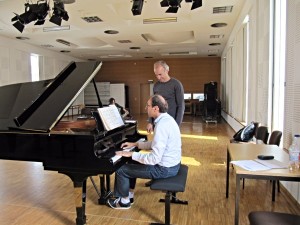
<point x="38" y="12"/>
<point x="137" y="7"/>
<point x="172" y="4"/>
<point x="175" y="4"/>
<point x="59" y="13"/>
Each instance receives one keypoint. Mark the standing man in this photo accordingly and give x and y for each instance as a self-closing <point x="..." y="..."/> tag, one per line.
<point x="161" y="162"/>
<point x="172" y="91"/>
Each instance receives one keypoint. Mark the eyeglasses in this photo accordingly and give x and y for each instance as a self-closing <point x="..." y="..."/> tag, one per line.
<point x="146" y="106"/>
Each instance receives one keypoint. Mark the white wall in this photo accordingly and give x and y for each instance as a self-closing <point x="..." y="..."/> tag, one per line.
<point x="117" y="91"/>
<point x="15" y="61"/>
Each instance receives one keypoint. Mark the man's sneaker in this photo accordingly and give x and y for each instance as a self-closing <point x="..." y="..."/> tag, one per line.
<point x="117" y="204"/>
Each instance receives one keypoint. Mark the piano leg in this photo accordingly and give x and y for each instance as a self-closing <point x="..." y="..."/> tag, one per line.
<point x="104" y="189"/>
<point x="80" y="200"/>
<point x="79" y="182"/>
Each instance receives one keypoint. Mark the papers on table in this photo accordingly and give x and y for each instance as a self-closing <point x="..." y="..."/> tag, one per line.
<point x="257" y="164"/>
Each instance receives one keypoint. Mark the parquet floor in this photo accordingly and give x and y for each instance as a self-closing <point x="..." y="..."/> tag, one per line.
<point x="29" y="195"/>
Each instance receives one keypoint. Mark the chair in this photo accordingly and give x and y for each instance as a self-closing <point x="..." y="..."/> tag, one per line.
<point x="275" y="139"/>
<point x="256" y="125"/>
<point x="262" y="134"/>
<point x="273" y="218"/>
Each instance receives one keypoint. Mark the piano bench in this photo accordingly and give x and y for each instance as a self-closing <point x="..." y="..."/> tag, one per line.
<point x="273" y="218"/>
<point x="171" y="186"/>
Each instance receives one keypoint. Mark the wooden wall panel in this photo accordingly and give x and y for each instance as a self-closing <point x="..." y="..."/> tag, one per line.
<point x="193" y="73"/>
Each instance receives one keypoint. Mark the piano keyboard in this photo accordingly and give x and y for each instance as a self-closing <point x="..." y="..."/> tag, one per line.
<point x="117" y="157"/>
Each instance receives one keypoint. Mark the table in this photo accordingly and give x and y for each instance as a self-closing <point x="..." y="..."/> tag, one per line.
<point x="251" y="151"/>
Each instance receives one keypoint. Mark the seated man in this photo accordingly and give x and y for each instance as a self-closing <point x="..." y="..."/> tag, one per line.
<point x="162" y="162"/>
<point x="124" y="112"/>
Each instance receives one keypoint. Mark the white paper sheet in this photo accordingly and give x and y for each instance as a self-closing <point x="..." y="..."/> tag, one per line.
<point x="250" y="165"/>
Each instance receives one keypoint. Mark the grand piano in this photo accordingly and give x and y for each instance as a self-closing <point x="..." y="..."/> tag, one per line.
<point x="33" y="128"/>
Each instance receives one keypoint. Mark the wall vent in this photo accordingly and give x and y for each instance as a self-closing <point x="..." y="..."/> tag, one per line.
<point x="223" y="9"/>
<point x="92" y="19"/>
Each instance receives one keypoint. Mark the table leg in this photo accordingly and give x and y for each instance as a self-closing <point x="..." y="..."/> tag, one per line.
<point x="227" y="174"/>
<point x="237" y="200"/>
<point x="273" y="190"/>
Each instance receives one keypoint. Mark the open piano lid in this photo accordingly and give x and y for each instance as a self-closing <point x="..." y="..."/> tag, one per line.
<point x="38" y="106"/>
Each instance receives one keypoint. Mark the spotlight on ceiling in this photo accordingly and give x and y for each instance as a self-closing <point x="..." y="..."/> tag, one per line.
<point x="59" y="13"/>
<point x="41" y="11"/>
<point x="172" y="4"/>
<point x="137" y="7"/>
<point x="38" y="12"/>
<point x="196" y="4"/>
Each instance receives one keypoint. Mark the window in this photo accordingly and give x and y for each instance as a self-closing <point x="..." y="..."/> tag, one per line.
<point x="279" y="65"/>
<point x="199" y="96"/>
<point x="34" y="60"/>
<point x="187" y="96"/>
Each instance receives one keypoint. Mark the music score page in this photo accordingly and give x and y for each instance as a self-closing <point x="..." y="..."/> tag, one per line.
<point x="110" y="117"/>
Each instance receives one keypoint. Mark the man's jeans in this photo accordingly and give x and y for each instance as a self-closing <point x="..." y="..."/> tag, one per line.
<point x="127" y="174"/>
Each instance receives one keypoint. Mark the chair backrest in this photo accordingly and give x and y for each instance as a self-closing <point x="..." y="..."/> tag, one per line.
<point x="275" y="138"/>
<point x="256" y="125"/>
<point x="262" y="134"/>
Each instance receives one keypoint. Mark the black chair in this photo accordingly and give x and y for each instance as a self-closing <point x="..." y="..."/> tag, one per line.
<point x="273" y="218"/>
<point x="275" y="139"/>
<point x="262" y="134"/>
<point x="256" y="125"/>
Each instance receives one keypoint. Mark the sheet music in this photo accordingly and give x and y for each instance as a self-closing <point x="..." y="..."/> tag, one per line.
<point x="257" y="164"/>
<point x="110" y="117"/>
<point x="250" y="165"/>
<point x="273" y="163"/>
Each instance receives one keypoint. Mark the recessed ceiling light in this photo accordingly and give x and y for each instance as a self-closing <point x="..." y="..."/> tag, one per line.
<point x="217" y="36"/>
<point x="111" y="32"/>
<point x="47" y="46"/>
<point x="219" y="25"/>
<point x="124" y="41"/>
<point x="22" y="38"/>
<point x="135" y="48"/>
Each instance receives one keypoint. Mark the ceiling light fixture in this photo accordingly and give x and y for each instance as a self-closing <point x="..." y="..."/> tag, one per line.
<point x="38" y="12"/>
<point x="196" y="4"/>
<point x="172" y="4"/>
<point x="137" y="7"/>
<point x="175" y="4"/>
<point x="160" y="20"/>
<point x="59" y="13"/>
<point x="47" y="29"/>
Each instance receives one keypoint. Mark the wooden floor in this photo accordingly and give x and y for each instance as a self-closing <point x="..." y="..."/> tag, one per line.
<point x="30" y="195"/>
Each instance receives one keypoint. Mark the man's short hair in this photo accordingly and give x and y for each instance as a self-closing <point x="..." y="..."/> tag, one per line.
<point x="111" y="100"/>
<point x="158" y="100"/>
<point x="163" y="64"/>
